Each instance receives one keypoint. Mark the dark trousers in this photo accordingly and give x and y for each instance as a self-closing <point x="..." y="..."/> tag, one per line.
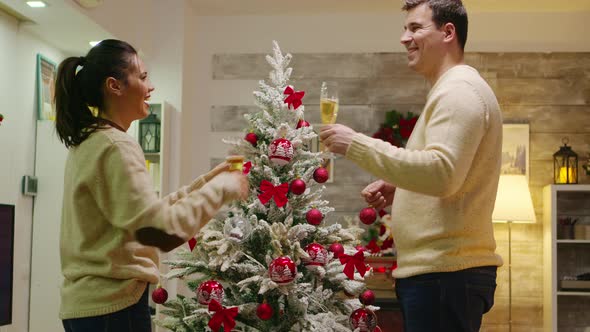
<point x="135" y="318"/>
<point x="447" y="301"/>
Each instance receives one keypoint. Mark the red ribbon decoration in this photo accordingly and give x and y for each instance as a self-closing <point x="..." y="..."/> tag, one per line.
<point x="358" y="261"/>
<point x="192" y="243"/>
<point x="223" y="316"/>
<point x="246" y="167"/>
<point x="279" y="193"/>
<point x="294" y="98"/>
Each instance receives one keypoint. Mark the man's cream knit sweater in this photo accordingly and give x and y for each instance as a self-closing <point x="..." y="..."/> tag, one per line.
<point x="446" y="177"/>
<point x="108" y="196"/>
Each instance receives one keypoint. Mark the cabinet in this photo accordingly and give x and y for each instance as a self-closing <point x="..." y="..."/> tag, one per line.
<point x="566" y="254"/>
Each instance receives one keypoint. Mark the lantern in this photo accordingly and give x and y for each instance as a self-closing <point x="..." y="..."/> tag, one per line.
<point x="149" y="133"/>
<point x="565" y="165"/>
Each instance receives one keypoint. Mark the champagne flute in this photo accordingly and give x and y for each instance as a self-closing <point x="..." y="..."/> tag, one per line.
<point x="328" y="111"/>
<point x="329" y="102"/>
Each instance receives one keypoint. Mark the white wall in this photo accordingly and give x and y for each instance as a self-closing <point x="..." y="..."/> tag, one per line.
<point x="17" y="141"/>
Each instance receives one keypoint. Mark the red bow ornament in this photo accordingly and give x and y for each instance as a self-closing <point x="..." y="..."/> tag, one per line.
<point x="294" y="98"/>
<point x="246" y="167"/>
<point x="279" y="193"/>
<point x="223" y="316"/>
<point x="357" y="260"/>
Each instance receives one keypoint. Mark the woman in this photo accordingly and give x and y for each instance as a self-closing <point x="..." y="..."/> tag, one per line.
<point x="112" y="217"/>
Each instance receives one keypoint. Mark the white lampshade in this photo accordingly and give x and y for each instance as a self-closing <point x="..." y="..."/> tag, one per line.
<point x="513" y="200"/>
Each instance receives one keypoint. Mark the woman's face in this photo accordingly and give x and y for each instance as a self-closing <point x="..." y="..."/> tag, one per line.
<point x="137" y="90"/>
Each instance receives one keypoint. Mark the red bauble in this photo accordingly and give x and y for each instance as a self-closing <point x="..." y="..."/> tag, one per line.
<point x="337" y="249"/>
<point x="314" y="217"/>
<point x="298" y="186"/>
<point x="280" y="151"/>
<point x="159" y="295"/>
<point x="251" y="138"/>
<point x="210" y="290"/>
<point x="282" y="270"/>
<point x="377" y="329"/>
<point x="363" y="319"/>
<point x="368" y="215"/>
<point x="264" y="311"/>
<point x="367" y="297"/>
<point x="302" y="123"/>
<point x="320" y="175"/>
<point x="382" y="213"/>
<point x="318" y="255"/>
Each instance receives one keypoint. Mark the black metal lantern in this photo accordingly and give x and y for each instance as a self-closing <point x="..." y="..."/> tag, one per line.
<point x="149" y="133"/>
<point x="565" y="165"/>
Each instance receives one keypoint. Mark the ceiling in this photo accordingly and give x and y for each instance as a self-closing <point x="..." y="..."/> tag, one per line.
<point x="309" y="7"/>
<point x="65" y="27"/>
<point x="59" y="24"/>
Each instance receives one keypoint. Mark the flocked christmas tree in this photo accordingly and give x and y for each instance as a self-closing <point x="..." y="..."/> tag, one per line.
<point x="272" y="263"/>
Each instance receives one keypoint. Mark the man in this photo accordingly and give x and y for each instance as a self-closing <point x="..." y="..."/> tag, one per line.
<point x="444" y="181"/>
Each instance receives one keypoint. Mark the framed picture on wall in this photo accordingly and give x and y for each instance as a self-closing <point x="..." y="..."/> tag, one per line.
<point x="46" y="73"/>
<point x="515" y="149"/>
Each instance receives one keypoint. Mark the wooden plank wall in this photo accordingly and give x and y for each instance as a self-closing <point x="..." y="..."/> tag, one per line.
<point x="550" y="91"/>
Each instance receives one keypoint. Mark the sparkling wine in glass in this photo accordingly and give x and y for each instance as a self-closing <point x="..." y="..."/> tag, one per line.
<point x="329" y="102"/>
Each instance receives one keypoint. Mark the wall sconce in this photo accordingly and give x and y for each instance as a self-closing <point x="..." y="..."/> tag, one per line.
<point x="565" y="165"/>
<point x="149" y="133"/>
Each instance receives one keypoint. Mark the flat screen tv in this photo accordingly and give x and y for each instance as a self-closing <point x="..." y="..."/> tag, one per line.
<point x="6" y="262"/>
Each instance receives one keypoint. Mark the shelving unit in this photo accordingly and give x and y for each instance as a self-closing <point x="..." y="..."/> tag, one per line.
<point x="157" y="161"/>
<point x="158" y="167"/>
<point x="564" y="310"/>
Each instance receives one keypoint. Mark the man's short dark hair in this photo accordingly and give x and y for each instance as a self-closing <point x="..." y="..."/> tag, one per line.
<point x="445" y="11"/>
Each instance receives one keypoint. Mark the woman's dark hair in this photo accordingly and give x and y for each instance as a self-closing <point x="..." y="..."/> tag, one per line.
<point x="77" y="91"/>
<point x="446" y="11"/>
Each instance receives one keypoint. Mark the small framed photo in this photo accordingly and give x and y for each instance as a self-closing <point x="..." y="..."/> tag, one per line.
<point x="46" y="74"/>
<point x="515" y="149"/>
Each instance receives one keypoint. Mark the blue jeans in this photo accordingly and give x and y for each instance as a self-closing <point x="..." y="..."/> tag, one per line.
<point x="135" y="318"/>
<point x="447" y="301"/>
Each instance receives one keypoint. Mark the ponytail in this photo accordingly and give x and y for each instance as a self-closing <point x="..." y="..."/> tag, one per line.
<point x="77" y="91"/>
<point x="74" y="121"/>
